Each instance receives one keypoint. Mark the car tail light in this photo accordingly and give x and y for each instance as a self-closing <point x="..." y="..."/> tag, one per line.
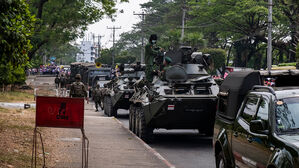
<point x="170" y="107"/>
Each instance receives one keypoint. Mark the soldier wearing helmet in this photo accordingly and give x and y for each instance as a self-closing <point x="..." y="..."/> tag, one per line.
<point x="151" y="51"/>
<point x="97" y="96"/>
<point x="77" y="88"/>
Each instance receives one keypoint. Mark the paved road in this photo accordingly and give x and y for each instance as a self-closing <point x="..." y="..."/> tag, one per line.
<point x="183" y="148"/>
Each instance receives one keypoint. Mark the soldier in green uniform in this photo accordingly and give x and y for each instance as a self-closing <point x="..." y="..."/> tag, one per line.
<point x="166" y="65"/>
<point x="77" y="88"/>
<point x="97" y="94"/>
<point x="151" y="51"/>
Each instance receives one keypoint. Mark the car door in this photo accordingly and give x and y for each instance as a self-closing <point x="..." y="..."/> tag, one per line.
<point x="256" y="147"/>
<point x="240" y="146"/>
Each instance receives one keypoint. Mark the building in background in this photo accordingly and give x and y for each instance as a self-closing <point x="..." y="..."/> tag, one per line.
<point x="88" y="52"/>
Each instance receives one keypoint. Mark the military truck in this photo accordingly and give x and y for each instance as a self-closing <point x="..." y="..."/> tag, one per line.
<point x="90" y="74"/>
<point x="185" y="100"/>
<point x="121" y="89"/>
<point x="257" y="125"/>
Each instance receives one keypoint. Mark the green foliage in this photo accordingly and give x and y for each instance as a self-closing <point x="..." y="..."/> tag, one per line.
<point x="122" y="57"/>
<point x="288" y="64"/>
<point x="106" y="57"/>
<point x="297" y="52"/>
<point x="61" y="21"/>
<point x="16" y="27"/>
<point x="125" y="58"/>
<point x="217" y="55"/>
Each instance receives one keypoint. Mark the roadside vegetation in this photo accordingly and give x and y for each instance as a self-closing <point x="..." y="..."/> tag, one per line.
<point x="16" y="128"/>
<point x="17" y="96"/>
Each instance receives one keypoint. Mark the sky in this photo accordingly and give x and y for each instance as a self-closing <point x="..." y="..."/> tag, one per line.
<point x="124" y="20"/>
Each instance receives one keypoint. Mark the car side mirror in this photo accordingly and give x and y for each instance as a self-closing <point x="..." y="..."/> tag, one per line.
<point x="258" y="126"/>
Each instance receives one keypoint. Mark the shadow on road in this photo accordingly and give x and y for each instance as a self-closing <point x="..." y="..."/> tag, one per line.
<point x="181" y="139"/>
<point x="123" y="116"/>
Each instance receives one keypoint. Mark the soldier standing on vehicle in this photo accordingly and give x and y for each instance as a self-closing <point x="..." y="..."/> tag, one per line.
<point x="77" y="88"/>
<point x="97" y="95"/>
<point x="166" y="65"/>
<point x="57" y="81"/>
<point x="151" y="51"/>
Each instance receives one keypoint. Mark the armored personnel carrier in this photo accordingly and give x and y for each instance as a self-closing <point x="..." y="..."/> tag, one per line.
<point x="120" y="89"/>
<point x="185" y="100"/>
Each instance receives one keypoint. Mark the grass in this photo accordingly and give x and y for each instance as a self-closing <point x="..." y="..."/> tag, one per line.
<point x="16" y="96"/>
<point x="15" y="159"/>
<point x="16" y="129"/>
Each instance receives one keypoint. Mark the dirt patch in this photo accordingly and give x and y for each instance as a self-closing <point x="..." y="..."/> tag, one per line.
<point x="16" y="133"/>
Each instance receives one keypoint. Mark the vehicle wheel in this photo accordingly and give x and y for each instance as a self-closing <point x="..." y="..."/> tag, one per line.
<point x="132" y="118"/>
<point x="220" y="160"/>
<point x="105" y="105"/>
<point x="144" y="132"/>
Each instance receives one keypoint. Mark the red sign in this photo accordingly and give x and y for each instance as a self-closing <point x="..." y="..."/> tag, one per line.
<point x="59" y="112"/>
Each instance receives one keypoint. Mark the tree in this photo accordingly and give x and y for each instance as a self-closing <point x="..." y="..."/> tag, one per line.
<point x="106" y="57"/>
<point x="218" y="58"/>
<point x="16" y="27"/>
<point x="61" y="21"/>
<point x="243" y="24"/>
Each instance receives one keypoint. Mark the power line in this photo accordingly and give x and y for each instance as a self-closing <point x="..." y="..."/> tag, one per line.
<point x="142" y="36"/>
<point x="113" y="48"/>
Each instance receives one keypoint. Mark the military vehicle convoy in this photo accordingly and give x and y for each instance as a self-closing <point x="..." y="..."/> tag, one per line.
<point x="120" y="90"/>
<point x="185" y="100"/>
<point x="90" y="74"/>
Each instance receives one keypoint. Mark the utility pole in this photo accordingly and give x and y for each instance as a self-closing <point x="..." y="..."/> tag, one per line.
<point x="99" y="45"/>
<point x="113" y="50"/>
<point x="269" y="48"/>
<point x="142" y="34"/>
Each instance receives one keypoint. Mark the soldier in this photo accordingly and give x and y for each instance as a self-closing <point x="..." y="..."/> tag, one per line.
<point x="166" y="65"/>
<point x="62" y="81"/>
<point x="57" y="81"/>
<point x="97" y="95"/>
<point x="151" y="51"/>
<point x="77" y="88"/>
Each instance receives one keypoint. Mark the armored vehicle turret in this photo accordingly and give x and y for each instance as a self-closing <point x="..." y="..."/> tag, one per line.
<point x="120" y="90"/>
<point x="186" y="99"/>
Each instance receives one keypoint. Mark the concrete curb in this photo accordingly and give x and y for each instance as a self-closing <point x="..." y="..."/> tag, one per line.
<point x="150" y="149"/>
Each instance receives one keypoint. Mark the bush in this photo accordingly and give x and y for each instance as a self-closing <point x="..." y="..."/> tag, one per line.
<point x="16" y="27"/>
<point x="218" y="57"/>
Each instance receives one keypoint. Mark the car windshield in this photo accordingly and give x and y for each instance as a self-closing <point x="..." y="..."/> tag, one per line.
<point x="287" y="114"/>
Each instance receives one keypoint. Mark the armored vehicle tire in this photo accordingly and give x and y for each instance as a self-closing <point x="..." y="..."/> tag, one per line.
<point x="220" y="160"/>
<point x="132" y="118"/>
<point x="143" y="131"/>
<point x="104" y="105"/>
<point x="110" y="110"/>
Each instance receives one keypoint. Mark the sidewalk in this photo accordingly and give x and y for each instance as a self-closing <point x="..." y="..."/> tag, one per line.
<point x="111" y="145"/>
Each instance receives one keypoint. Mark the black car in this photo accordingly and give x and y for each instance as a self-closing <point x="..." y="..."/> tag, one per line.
<point x="258" y="127"/>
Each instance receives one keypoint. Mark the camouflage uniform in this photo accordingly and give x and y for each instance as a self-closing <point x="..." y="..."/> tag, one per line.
<point x="166" y="63"/>
<point x="57" y="81"/>
<point x="150" y="54"/>
<point x="77" y="88"/>
<point x="97" y="96"/>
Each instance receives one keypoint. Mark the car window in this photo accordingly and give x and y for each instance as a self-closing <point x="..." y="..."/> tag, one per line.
<point x="249" y="110"/>
<point x="262" y="112"/>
